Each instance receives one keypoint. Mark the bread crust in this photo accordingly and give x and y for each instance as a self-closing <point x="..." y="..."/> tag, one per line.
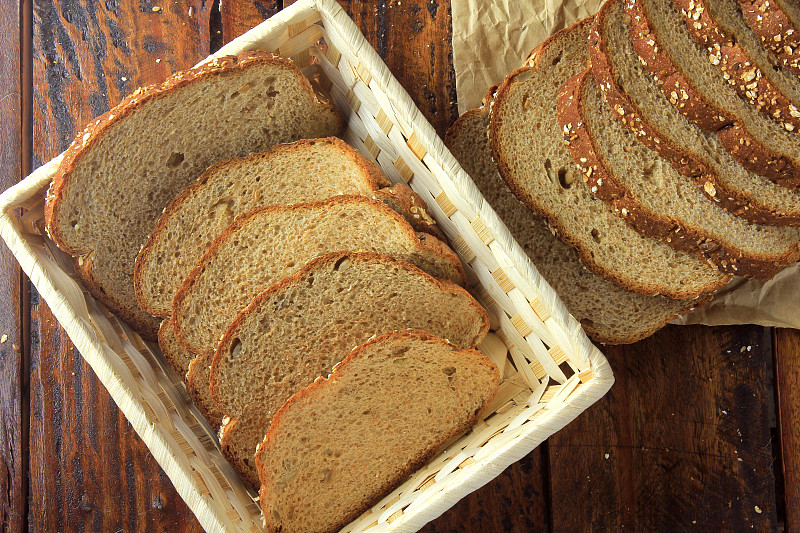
<point x="430" y="243"/>
<point x="95" y="130"/>
<point x="585" y="256"/>
<point x="752" y="83"/>
<point x="629" y="114"/>
<point x="745" y="148"/>
<point x="769" y="21"/>
<point x="200" y="394"/>
<point x="606" y="187"/>
<point x="341" y="371"/>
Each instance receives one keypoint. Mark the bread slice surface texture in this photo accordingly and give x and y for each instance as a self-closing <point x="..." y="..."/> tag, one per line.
<point x="629" y="89"/>
<point x="298" y="329"/>
<point x="608" y="313"/>
<point x="658" y="201"/>
<point x="340" y="444"/>
<point x="777" y="24"/>
<point x="127" y="165"/>
<point x="528" y="147"/>
<point x="270" y="243"/>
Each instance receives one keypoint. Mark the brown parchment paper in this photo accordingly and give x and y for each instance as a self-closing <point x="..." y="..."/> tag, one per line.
<point x="493" y="37"/>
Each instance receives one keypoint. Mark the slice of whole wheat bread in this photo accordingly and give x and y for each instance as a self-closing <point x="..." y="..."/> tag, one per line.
<point x="127" y="165"/>
<point x="308" y="170"/>
<point x="777" y="24"/>
<point x="608" y="313"/>
<point x="641" y="106"/>
<point x="658" y="201"/>
<point x="340" y="444"/>
<point x="299" y="328"/>
<point x="733" y="47"/>
<point x="270" y="243"/>
<point x="685" y="74"/>
<point x="528" y="147"/>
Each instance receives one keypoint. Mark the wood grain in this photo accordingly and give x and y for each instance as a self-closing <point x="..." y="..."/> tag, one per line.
<point x="682" y="441"/>
<point x="238" y="17"/>
<point x="13" y="430"/>
<point x="787" y="386"/>
<point x="88" y="468"/>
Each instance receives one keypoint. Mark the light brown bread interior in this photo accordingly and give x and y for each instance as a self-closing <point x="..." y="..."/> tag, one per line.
<point x="340" y="444"/>
<point x="123" y="170"/>
<point x="270" y="243"/>
<point x="608" y="313"/>
<point x="528" y="146"/>
<point x="663" y="128"/>
<point x="304" y="171"/>
<point x="301" y="327"/>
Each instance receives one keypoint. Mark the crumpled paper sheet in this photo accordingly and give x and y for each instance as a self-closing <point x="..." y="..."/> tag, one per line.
<point x="493" y="37"/>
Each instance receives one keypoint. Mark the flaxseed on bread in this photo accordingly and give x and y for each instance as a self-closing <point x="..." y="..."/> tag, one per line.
<point x="608" y="314"/>
<point x="304" y="171"/>
<point x="777" y="24"/>
<point x="270" y="243"/>
<point x="340" y="444"/>
<point x="127" y="165"/>
<point x="685" y="74"/>
<point x="733" y="47"/>
<point x="528" y="147"/>
<point x="643" y="108"/>
<point x="655" y="199"/>
<point x="299" y="328"/>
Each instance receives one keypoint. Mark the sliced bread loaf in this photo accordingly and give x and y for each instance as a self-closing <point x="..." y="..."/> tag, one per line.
<point x="528" y="147"/>
<point x="658" y="201"/>
<point x="125" y="167"/>
<point x="733" y="47"/>
<point x="640" y="105"/>
<point x="270" y="243"/>
<point x="304" y="171"/>
<point x="340" y="444"/>
<point x="608" y="313"/>
<point x="299" y="328"/>
<point x="197" y="380"/>
<point x="685" y="74"/>
<point x="777" y="24"/>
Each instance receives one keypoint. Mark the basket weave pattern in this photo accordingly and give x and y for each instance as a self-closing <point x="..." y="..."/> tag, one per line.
<point x="551" y="371"/>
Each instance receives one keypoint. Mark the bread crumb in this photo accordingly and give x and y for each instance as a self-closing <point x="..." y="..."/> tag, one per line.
<point x="4" y="338"/>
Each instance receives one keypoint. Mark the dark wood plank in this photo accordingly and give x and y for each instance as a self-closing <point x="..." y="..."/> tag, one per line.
<point x="88" y="468"/>
<point x="13" y="445"/>
<point x="787" y="385"/>
<point x="682" y="441"/>
<point x="514" y="502"/>
<point x="242" y="15"/>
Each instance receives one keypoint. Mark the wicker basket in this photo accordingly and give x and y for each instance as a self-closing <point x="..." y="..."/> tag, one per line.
<point x="551" y="371"/>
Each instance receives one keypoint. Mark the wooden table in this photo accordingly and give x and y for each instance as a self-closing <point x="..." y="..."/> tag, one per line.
<point x="700" y="432"/>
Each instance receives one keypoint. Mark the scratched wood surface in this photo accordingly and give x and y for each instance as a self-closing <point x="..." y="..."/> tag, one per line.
<point x="687" y="439"/>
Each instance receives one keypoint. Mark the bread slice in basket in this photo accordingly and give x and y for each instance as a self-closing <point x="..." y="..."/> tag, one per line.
<point x="270" y="243"/>
<point x="340" y="444"/>
<point x="308" y="170"/>
<point x="639" y="104"/>
<point x="299" y="328"/>
<point x="528" y="147"/>
<point x="608" y="313"/>
<point x="657" y="200"/>
<point x="126" y="166"/>
<point x="685" y="74"/>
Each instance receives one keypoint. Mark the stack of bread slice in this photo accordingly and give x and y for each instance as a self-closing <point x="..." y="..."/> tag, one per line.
<point x="660" y="166"/>
<point x="268" y="261"/>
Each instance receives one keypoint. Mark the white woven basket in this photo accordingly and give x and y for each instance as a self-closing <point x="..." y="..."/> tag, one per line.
<point x="551" y="371"/>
